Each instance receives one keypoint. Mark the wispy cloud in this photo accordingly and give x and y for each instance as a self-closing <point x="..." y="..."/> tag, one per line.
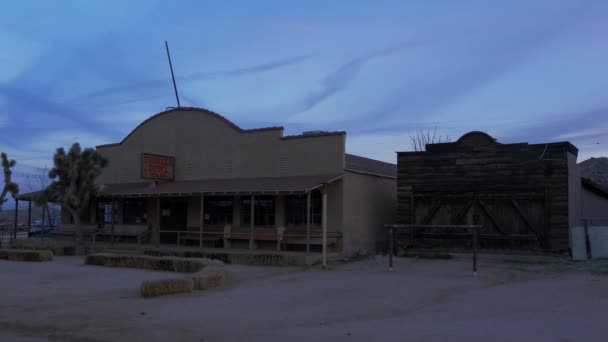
<point x="121" y="91"/>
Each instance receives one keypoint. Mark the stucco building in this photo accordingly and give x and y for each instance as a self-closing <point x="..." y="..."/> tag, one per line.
<point x="190" y="176"/>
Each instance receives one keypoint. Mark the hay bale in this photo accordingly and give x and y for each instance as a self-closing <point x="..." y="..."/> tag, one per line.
<point x="26" y="255"/>
<point x="165" y="287"/>
<point x="210" y="279"/>
<point x="57" y="247"/>
<point x="171" y="264"/>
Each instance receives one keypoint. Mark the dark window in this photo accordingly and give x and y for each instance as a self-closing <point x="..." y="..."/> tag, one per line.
<point x="264" y="211"/>
<point x="134" y="211"/>
<point x="316" y="208"/>
<point x="218" y="210"/>
<point x="103" y="214"/>
<point x="295" y="209"/>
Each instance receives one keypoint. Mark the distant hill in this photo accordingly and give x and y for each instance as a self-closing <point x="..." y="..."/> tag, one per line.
<point x="595" y="169"/>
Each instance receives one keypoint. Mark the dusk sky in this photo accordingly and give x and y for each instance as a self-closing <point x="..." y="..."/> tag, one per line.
<point x="90" y="71"/>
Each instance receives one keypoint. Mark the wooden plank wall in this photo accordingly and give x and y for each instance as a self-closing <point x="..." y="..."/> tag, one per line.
<point x="476" y="167"/>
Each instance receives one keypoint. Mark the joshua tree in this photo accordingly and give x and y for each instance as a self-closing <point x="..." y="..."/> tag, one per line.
<point x="9" y="185"/>
<point x="73" y="185"/>
<point x="420" y="139"/>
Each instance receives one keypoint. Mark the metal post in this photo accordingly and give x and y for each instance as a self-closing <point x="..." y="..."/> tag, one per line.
<point x="251" y="221"/>
<point x="324" y="220"/>
<point x="16" y="218"/>
<point x="29" y="219"/>
<point x="202" y="221"/>
<point x="308" y="221"/>
<point x="172" y="75"/>
<point x="475" y="231"/>
<point x="390" y="248"/>
<point x="587" y="240"/>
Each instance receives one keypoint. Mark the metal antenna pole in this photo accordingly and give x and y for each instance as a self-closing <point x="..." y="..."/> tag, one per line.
<point x="172" y="75"/>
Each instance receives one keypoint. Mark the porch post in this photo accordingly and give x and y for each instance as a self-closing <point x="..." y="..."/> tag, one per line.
<point x="201" y="222"/>
<point x="324" y="220"/>
<point x="112" y="203"/>
<point x="307" y="222"/>
<point x="157" y="233"/>
<point x="16" y="218"/>
<point x="29" y="218"/>
<point x="251" y="221"/>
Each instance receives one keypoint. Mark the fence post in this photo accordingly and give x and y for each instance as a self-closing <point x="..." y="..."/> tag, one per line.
<point x="587" y="240"/>
<point x="475" y="231"/>
<point x="390" y="248"/>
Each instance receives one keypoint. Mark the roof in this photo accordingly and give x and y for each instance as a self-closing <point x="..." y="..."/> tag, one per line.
<point x="226" y="121"/>
<point x="593" y="186"/>
<point x="596" y="170"/>
<point x="224" y="185"/>
<point x="369" y="166"/>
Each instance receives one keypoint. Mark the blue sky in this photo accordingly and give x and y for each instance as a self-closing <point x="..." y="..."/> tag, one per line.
<point x="90" y="71"/>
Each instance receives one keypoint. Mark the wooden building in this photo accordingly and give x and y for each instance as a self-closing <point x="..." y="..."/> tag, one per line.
<point x="189" y="176"/>
<point x="523" y="195"/>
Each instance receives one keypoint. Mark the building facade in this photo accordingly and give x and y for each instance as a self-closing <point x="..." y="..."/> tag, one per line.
<point x="189" y="176"/>
<point x="523" y="195"/>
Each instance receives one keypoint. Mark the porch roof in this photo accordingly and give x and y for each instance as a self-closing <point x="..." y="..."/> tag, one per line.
<point x="218" y="186"/>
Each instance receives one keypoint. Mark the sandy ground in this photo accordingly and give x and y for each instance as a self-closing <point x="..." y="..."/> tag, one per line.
<point x="422" y="300"/>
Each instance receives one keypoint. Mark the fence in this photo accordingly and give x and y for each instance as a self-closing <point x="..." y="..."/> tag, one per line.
<point x="589" y="240"/>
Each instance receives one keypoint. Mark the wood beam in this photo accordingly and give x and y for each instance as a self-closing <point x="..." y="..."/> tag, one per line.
<point x="483" y="206"/>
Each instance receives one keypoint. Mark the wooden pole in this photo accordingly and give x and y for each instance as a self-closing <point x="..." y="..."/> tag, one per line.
<point x="475" y="231"/>
<point x="157" y="237"/>
<point x="202" y="221"/>
<point x="113" y="221"/>
<point x="324" y="220"/>
<point x="587" y="240"/>
<point x="308" y="221"/>
<point x="252" y="219"/>
<point x="390" y="248"/>
<point x="29" y="218"/>
<point x="16" y="218"/>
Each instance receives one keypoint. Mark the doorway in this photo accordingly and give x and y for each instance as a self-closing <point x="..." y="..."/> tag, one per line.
<point x="173" y="218"/>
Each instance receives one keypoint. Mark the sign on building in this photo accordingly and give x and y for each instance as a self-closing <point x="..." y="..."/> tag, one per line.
<point x="157" y="167"/>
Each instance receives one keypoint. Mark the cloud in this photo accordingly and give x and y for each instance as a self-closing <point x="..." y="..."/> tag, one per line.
<point x="158" y="83"/>
<point x="344" y="75"/>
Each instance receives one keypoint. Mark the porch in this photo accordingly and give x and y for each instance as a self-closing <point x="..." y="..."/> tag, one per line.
<point x="291" y="215"/>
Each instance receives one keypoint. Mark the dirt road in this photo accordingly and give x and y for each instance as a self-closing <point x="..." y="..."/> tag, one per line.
<point x="421" y="301"/>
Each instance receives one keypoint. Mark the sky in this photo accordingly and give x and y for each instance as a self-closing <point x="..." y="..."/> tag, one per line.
<point x="91" y="71"/>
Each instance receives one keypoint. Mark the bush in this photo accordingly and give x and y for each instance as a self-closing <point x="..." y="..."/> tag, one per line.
<point x="26" y="255"/>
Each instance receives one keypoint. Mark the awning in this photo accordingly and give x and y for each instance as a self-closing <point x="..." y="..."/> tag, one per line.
<point x="219" y="186"/>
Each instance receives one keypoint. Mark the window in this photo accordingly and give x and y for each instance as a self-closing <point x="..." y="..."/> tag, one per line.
<point x="295" y="209"/>
<point x="134" y="211"/>
<point x="218" y="210"/>
<point x="103" y="214"/>
<point x="264" y="211"/>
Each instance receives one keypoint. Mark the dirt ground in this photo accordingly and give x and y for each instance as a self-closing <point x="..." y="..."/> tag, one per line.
<point x="422" y="300"/>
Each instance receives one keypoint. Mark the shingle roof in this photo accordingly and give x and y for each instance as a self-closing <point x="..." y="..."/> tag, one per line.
<point x="596" y="170"/>
<point x="370" y="166"/>
<point x="226" y="185"/>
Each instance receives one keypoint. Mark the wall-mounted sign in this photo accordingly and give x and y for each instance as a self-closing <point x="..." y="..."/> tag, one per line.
<point x="154" y="166"/>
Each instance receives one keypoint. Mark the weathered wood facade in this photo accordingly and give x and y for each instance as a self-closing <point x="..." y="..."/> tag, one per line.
<point x="517" y="192"/>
